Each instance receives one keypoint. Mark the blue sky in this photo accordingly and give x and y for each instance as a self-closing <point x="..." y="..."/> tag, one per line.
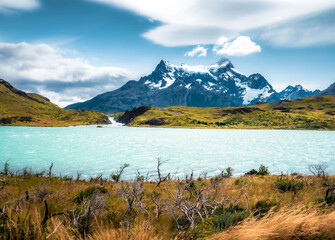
<point x="73" y="50"/>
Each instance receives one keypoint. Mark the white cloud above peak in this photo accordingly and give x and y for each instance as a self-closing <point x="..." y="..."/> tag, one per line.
<point x="241" y="46"/>
<point x="196" y="22"/>
<point x="199" y="51"/>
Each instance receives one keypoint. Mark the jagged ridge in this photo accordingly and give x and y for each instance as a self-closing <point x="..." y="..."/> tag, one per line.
<point x="217" y="85"/>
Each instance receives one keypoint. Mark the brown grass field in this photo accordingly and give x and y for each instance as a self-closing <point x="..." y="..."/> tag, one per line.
<point x="260" y="206"/>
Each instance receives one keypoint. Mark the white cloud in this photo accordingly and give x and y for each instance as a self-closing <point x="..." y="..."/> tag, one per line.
<point x="174" y="35"/>
<point x="199" y="50"/>
<point x="315" y="30"/>
<point x="195" y="22"/>
<point x="42" y="68"/>
<point x="9" y="5"/>
<point x="241" y="46"/>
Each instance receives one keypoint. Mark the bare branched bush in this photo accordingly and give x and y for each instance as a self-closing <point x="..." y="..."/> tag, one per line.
<point x="27" y="172"/>
<point x="42" y="193"/>
<point x="78" y="176"/>
<point x="194" y="200"/>
<point x="133" y="192"/>
<point x="50" y="171"/>
<point x="159" y="204"/>
<point x="83" y="219"/>
<point x="203" y="174"/>
<point x="48" y="214"/>
<point x="161" y="178"/>
<point x="3" y="184"/>
<point x="6" y="168"/>
<point x="318" y="169"/>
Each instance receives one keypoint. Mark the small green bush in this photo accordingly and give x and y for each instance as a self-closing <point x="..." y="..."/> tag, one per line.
<point x="289" y="185"/>
<point x="228" y="173"/>
<point x="240" y="181"/>
<point x="262" y="207"/>
<point x="228" y="219"/>
<point x="263" y="170"/>
<point x="330" y="200"/>
<point x="87" y="193"/>
<point x="223" y="219"/>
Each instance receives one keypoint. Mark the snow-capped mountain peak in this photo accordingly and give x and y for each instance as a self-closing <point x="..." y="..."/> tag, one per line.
<point x="216" y="85"/>
<point x="220" y="77"/>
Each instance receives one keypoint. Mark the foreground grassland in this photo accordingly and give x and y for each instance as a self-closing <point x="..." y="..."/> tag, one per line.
<point x="305" y="113"/>
<point x="42" y="206"/>
<point x="27" y="109"/>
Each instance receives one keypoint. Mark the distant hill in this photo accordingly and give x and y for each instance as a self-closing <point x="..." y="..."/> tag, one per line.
<point x="294" y="92"/>
<point x="217" y="85"/>
<point x="29" y="109"/>
<point x="305" y="113"/>
<point x="329" y="91"/>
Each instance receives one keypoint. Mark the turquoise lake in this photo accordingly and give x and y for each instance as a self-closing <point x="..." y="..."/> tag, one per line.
<point x="93" y="150"/>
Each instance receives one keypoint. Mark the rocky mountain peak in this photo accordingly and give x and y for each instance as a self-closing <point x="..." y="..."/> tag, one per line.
<point x="225" y="62"/>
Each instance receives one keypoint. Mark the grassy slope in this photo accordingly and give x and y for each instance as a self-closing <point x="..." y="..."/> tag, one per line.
<point x="293" y="215"/>
<point x="305" y="113"/>
<point x="22" y="111"/>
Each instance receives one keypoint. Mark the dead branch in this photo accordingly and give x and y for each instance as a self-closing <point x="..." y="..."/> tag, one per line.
<point x="54" y="231"/>
<point x="160" y="177"/>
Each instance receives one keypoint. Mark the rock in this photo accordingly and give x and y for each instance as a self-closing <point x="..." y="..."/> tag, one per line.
<point x="128" y="116"/>
<point x="251" y="172"/>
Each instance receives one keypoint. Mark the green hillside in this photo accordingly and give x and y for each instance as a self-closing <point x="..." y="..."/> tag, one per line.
<point x="18" y="108"/>
<point x="305" y="113"/>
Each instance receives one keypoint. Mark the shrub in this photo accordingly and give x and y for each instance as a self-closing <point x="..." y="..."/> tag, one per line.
<point x="88" y="193"/>
<point x="240" y="181"/>
<point x="330" y="200"/>
<point x="263" y="170"/>
<point x="289" y="185"/>
<point x="116" y="176"/>
<point x="262" y="207"/>
<point x="228" y="219"/>
<point x="228" y="173"/>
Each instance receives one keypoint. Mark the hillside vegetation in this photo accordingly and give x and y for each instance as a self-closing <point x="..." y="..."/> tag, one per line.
<point x="39" y="205"/>
<point x="305" y="113"/>
<point x="18" y="108"/>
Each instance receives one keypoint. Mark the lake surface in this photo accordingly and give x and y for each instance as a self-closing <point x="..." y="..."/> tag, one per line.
<point x="93" y="150"/>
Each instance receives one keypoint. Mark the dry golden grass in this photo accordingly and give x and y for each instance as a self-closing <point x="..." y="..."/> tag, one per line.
<point x="296" y="216"/>
<point x="286" y="224"/>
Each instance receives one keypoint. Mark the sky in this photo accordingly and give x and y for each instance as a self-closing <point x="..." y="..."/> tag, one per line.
<point x="71" y="51"/>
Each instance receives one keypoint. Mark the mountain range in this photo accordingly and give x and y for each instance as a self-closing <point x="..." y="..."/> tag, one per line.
<point x="217" y="85"/>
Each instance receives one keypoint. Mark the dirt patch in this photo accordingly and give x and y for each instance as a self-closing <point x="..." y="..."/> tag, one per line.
<point x="283" y="109"/>
<point x="241" y="110"/>
<point x="170" y="111"/>
<point x="281" y="102"/>
<point x="154" y="122"/>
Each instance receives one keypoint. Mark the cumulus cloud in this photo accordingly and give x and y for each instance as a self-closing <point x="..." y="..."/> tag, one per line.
<point x="199" y="51"/>
<point x="195" y="22"/>
<point x="9" y="5"/>
<point x="44" y="69"/>
<point x="241" y="46"/>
